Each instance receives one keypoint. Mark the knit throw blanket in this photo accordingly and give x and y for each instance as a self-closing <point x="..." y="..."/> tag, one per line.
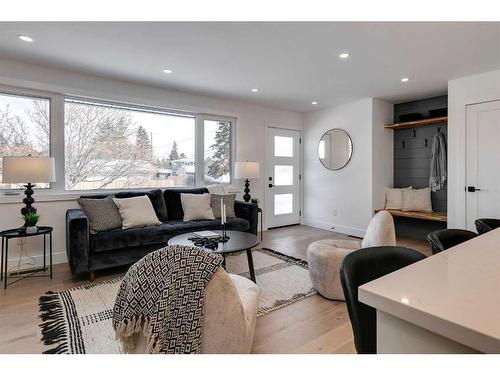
<point x="162" y="296"/>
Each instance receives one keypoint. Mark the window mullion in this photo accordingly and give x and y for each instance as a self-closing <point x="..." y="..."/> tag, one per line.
<point x="57" y="140"/>
<point x="199" y="150"/>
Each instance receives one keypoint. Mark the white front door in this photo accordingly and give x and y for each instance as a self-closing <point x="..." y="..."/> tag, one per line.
<point x="282" y="177"/>
<point x="482" y="162"/>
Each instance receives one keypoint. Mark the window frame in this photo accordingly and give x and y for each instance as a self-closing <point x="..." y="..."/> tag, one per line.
<point x="200" y="146"/>
<point x="35" y="94"/>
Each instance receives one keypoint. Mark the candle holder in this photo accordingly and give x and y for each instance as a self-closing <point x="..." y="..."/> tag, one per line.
<point x="224" y="237"/>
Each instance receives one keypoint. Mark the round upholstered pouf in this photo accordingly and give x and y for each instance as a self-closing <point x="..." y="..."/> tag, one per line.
<point x="324" y="258"/>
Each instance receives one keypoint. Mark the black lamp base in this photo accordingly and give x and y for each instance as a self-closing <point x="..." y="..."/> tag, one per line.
<point x="246" y="196"/>
<point x="28" y="201"/>
<point x="224" y="237"/>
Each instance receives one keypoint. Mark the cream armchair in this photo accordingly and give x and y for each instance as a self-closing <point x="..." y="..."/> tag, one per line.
<point x="324" y="257"/>
<point x="230" y="312"/>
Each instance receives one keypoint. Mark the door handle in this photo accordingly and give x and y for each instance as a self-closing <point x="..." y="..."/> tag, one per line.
<point x="271" y="185"/>
<point x="472" y="189"/>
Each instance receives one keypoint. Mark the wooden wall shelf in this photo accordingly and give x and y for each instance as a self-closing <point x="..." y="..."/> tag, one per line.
<point x="416" y="124"/>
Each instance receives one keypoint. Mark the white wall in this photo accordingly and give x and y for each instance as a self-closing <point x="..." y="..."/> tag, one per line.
<point x="462" y="92"/>
<point x="382" y="151"/>
<point x="356" y="190"/>
<point x="252" y="121"/>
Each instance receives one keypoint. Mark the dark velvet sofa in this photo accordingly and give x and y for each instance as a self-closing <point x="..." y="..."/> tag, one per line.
<point x="89" y="252"/>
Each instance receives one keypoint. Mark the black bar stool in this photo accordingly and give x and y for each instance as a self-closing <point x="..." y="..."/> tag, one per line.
<point x="360" y="267"/>
<point x="485" y="225"/>
<point x="443" y="239"/>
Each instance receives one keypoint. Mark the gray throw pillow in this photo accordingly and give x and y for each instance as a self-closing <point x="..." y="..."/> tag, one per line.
<point x="228" y="199"/>
<point x="102" y="213"/>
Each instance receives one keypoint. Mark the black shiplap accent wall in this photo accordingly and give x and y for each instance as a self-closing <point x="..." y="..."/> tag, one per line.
<point x="420" y="106"/>
<point x="412" y="163"/>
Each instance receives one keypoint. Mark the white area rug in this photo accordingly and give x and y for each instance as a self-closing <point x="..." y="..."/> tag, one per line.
<point x="78" y="320"/>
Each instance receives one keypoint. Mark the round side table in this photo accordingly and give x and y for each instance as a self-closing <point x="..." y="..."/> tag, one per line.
<point x="10" y="234"/>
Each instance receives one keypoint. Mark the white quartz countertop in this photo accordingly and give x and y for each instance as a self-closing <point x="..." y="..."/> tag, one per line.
<point x="455" y="293"/>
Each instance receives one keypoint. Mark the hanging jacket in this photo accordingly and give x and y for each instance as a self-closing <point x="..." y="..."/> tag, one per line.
<point x="438" y="173"/>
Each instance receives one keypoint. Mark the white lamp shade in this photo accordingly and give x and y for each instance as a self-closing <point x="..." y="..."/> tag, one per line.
<point x="24" y="169"/>
<point x="247" y="169"/>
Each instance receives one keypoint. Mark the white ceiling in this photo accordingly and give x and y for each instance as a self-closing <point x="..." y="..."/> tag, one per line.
<point x="291" y="63"/>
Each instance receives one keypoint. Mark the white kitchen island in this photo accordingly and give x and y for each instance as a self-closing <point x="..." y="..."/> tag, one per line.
<point x="447" y="303"/>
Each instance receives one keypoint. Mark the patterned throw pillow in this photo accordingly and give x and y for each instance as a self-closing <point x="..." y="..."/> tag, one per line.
<point x="228" y="199"/>
<point x="102" y="213"/>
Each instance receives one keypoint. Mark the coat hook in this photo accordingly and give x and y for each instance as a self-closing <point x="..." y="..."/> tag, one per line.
<point x="414" y="133"/>
<point x="426" y="140"/>
<point x="439" y="129"/>
<point x="403" y="143"/>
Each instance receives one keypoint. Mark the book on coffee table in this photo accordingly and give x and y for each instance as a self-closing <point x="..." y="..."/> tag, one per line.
<point x="206" y="234"/>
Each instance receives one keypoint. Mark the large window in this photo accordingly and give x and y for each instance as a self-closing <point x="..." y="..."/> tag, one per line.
<point x="24" y="129"/>
<point x="218" y="151"/>
<point x="100" y="145"/>
<point x="112" y="147"/>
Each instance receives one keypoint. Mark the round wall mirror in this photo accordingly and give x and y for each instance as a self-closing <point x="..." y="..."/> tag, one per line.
<point x="335" y="149"/>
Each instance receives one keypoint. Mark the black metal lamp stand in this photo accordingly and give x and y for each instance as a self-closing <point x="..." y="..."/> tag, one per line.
<point x="224" y="237"/>
<point x="28" y="201"/>
<point x="247" y="196"/>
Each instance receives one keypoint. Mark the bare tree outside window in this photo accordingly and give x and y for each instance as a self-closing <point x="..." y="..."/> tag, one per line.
<point x="113" y="148"/>
<point x="174" y="155"/>
<point x="24" y="129"/>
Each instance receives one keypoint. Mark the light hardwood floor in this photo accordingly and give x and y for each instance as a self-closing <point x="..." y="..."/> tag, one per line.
<point x="312" y="325"/>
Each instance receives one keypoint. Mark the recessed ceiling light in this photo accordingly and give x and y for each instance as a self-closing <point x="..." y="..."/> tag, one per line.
<point x="314" y="103"/>
<point x="254" y="90"/>
<point x="405" y="79"/>
<point x="25" y="38"/>
<point x="167" y="71"/>
<point x="344" y="55"/>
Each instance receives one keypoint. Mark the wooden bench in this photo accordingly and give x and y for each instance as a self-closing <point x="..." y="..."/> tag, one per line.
<point x="432" y="216"/>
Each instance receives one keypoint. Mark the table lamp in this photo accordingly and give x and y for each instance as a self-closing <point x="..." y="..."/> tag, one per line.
<point x="28" y="170"/>
<point x="247" y="170"/>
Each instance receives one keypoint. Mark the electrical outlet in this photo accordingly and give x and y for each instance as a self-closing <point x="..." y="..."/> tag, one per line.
<point x="334" y="212"/>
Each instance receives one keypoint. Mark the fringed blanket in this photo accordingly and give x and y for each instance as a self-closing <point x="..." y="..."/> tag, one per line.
<point x="162" y="296"/>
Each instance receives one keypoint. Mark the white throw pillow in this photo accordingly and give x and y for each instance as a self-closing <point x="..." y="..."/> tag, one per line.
<point x="394" y="198"/>
<point x="417" y="200"/>
<point x="219" y="189"/>
<point x="136" y="212"/>
<point x="197" y="207"/>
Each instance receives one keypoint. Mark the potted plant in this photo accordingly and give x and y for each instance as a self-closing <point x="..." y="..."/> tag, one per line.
<point x="30" y="221"/>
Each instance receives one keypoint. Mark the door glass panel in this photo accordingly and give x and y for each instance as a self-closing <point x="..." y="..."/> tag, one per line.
<point x="283" y="175"/>
<point x="283" y="146"/>
<point x="283" y="204"/>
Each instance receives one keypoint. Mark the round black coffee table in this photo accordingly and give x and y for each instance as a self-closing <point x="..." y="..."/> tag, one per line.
<point x="238" y="241"/>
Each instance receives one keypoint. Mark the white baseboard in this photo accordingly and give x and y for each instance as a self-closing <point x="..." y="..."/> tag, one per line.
<point x="57" y="258"/>
<point x="352" y="231"/>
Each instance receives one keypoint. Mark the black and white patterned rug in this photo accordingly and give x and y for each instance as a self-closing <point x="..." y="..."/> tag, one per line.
<point x="78" y="320"/>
